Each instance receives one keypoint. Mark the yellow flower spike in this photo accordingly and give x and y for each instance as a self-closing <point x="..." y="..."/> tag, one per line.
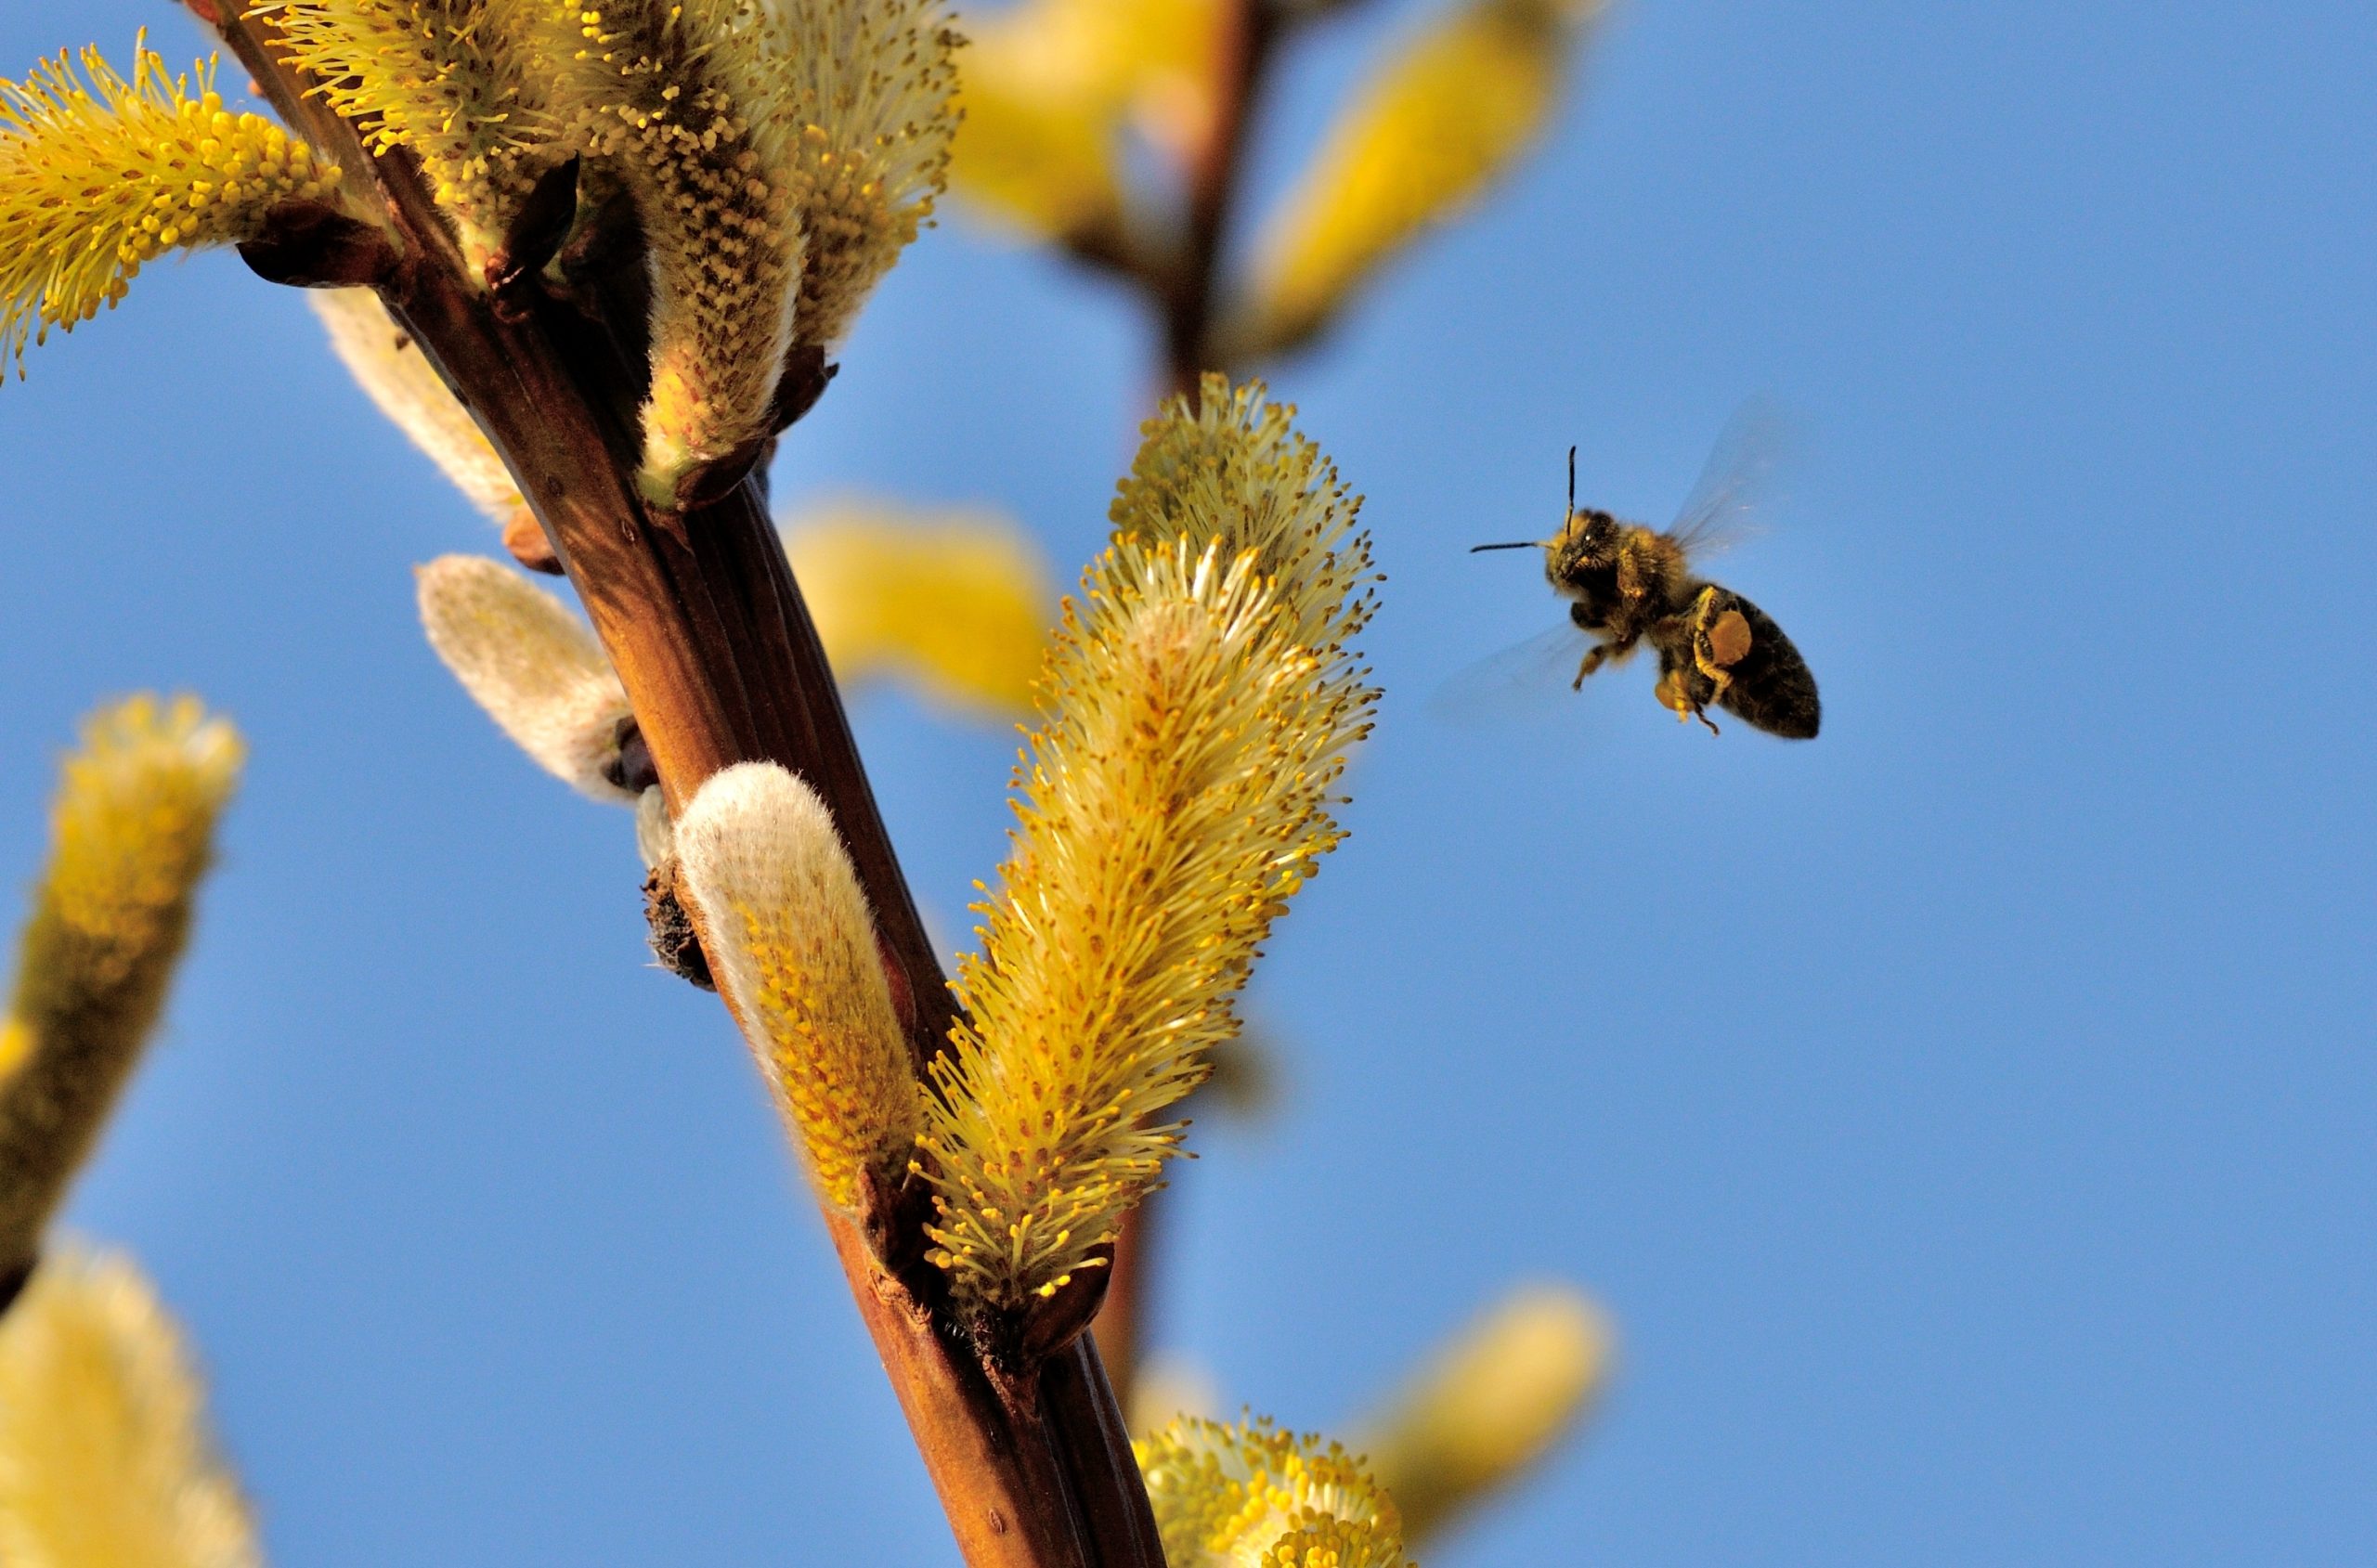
<point x="864" y="105"/>
<point x="1195" y="717"/>
<point x="533" y="666"/>
<point x="132" y="832"/>
<point x="398" y="377"/>
<point x="684" y="103"/>
<point x="1490" y="1404"/>
<point x="793" y="947"/>
<point x="1250" y="1496"/>
<point x="449" y="80"/>
<point x="1050" y="85"/>
<point x="105" y="1458"/>
<point x="92" y="164"/>
<point x="957" y="601"/>
<point x="1442" y="121"/>
<point x="1331" y="1543"/>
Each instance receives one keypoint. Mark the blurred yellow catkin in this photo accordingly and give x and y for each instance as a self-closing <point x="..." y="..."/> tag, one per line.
<point x="1445" y="118"/>
<point x="132" y="832"/>
<point x="1488" y="1405"/>
<point x="957" y="601"/>
<point x="105" y="1459"/>
<point x="1050" y="89"/>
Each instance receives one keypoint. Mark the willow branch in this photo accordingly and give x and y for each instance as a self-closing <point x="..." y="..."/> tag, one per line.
<point x="1250" y="29"/>
<point x="705" y="626"/>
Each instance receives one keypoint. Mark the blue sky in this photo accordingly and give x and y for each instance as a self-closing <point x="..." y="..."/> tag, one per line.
<point x="1966" y="1115"/>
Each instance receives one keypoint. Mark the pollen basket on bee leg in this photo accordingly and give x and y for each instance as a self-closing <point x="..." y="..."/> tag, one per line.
<point x="1729" y="639"/>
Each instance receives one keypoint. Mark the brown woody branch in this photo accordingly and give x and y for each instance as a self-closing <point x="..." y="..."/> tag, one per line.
<point x="706" y="629"/>
<point x="1250" y="29"/>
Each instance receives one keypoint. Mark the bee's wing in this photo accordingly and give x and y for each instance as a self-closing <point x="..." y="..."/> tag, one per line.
<point x="1736" y="482"/>
<point x="1525" y="678"/>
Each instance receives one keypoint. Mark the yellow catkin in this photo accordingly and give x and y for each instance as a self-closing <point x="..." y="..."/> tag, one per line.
<point x="1195" y="718"/>
<point x="1489" y="1404"/>
<point x="532" y="666"/>
<point x="100" y="175"/>
<point x="865" y="106"/>
<point x="1249" y="1495"/>
<point x="132" y="832"/>
<point x="1049" y="88"/>
<point x="792" y="944"/>
<point x="672" y="98"/>
<point x="105" y="1458"/>
<point x="398" y="378"/>
<point x="958" y="602"/>
<point x="1444" y="118"/>
<point x="451" y="81"/>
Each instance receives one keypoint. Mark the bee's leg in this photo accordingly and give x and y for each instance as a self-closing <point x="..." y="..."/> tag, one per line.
<point x="1675" y="693"/>
<point x="1601" y="652"/>
<point x="1595" y="656"/>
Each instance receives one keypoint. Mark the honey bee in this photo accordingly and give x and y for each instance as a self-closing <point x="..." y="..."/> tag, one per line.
<point x="1628" y="584"/>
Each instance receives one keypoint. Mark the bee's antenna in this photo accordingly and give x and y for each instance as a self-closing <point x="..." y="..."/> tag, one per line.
<point x="1522" y="544"/>
<point x="1572" y="481"/>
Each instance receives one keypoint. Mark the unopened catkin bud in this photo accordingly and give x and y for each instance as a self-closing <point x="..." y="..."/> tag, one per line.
<point x="792" y="946"/>
<point x="656" y="835"/>
<point x="402" y="384"/>
<point x="535" y="669"/>
<point x="1492" y="1401"/>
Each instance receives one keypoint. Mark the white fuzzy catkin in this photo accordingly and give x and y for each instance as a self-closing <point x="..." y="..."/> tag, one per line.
<point x="792" y="945"/>
<point x="401" y="384"/>
<point x="656" y="835"/>
<point x="532" y="665"/>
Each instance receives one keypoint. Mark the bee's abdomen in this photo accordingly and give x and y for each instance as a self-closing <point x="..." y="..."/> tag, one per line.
<point x="1772" y="686"/>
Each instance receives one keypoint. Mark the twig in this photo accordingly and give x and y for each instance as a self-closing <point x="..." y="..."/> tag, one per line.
<point x="1249" y="31"/>
<point x="707" y="630"/>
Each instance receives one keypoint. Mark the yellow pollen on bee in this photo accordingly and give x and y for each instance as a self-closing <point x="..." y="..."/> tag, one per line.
<point x="1729" y="638"/>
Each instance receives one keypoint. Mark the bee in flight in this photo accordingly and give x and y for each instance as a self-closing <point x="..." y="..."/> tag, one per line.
<point x="1628" y="584"/>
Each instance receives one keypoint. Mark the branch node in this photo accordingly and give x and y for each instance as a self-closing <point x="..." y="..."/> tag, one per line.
<point x="12" y="1283"/>
<point x="806" y="377"/>
<point x="533" y="238"/>
<point x="313" y="245"/>
<point x="673" y="941"/>
<point x="525" y="540"/>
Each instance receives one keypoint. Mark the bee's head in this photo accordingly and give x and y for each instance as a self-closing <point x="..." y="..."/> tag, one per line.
<point x="1585" y="543"/>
